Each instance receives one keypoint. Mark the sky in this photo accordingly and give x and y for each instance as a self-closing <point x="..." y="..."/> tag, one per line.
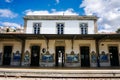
<point x="107" y="11"/>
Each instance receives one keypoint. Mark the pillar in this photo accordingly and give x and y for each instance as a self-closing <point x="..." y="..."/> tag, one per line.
<point x="97" y="51"/>
<point x="22" y="51"/>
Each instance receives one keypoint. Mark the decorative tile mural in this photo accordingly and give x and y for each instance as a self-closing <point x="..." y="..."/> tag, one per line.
<point x="93" y="57"/>
<point x="16" y="56"/>
<point x="47" y="57"/>
<point x="72" y="58"/>
<point x="26" y="58"/>
<point x="103" y="57"/>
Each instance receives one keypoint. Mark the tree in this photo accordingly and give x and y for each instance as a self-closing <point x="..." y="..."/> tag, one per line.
<point x="118" y="30"/>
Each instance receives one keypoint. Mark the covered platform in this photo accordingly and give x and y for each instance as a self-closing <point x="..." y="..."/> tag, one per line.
<point x="92" y="43"/>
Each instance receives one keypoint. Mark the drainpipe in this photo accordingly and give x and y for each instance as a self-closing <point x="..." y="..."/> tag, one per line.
<point x="47" y="42"/>
<point x="73" y="41"/>
<point x="72" y="44"/>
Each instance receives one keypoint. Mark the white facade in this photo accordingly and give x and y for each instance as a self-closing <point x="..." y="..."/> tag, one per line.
<point x="70" y="49"/>
<point x="49" y="26"/>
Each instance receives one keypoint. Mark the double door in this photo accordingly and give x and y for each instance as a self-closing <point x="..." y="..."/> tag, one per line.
<point x="113" y="50"/>
<point x="7" y="55"/>
<point x="35" y="55"/>
<point x="85" y="61"/>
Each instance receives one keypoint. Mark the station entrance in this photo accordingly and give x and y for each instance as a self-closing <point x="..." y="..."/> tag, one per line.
<point x="35" y="55"/>
<point x="85" y="61"/>
<point x="113" y="50"/>
<point x="60" y="50"/>
<point x="7" y="55"/>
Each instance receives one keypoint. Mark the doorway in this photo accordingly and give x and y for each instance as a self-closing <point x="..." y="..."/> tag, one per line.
<point x="35" y="55"/>
<point x="7" y="55"/>
<point x="113" y="50"/>
<point x="60" y="50"/>
<point x="85" y="61"/>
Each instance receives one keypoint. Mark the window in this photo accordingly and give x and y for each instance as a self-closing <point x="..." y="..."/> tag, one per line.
<point x="36" y="27"/>
<point x="7" y="30"/>
<point x="84" y="28"/>
<point x="60" y="28"/>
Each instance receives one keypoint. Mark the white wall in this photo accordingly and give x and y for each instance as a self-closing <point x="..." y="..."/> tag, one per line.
<point x="16" y="46"/>
<point x="78" y="43"/>
<point x="68" y="47"/>
<point x="104" y="48"/>
<point x="29" y="43"/>
<point x="49" y="26"/>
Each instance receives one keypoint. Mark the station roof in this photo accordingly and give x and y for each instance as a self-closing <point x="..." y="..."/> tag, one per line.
<point x="61" y="36"/>
<point x="59" y="17"/>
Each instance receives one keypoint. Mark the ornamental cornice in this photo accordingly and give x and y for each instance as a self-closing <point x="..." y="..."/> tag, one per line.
<point x="37" y="17"/>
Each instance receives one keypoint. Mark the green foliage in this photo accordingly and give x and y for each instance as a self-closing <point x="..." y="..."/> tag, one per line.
<point x="118" y="30"/>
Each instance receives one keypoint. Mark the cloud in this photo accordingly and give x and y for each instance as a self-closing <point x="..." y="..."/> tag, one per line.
<point x="7" y="13"/>
<point x="53" y="12"/>
<point x="8" y="1"/>
<point x="57" y="1"/>
<point x="10" y="24"/>
<point x="108" y="12"/>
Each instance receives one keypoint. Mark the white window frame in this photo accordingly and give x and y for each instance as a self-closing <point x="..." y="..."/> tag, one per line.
<point x="37" y="26"/>
<point x="84" y="28"/>
<point x="61" y="28"/>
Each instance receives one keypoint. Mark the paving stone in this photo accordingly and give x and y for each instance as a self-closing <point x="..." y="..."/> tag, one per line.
<point x="59" y="74"/>
<point x="59" y="78"/>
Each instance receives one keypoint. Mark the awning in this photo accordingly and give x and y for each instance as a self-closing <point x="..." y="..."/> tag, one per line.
<point x="59" y="36"/>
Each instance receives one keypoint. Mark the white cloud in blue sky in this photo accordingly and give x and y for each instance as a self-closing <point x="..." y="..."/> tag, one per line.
<point x="11" y="24"/>
<point x="57" y="1"/>
<point x="8" y="1"/>
<point x="69" y="11"/>
<point x="7" y="13"/>
<point x="108" y="12"/>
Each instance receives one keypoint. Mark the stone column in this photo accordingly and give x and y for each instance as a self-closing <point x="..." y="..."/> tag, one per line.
<point x="25" y="25"/>
<point x="95" y="27"/>
<point x="97" y="51"/>
<point x="22" y="51"/>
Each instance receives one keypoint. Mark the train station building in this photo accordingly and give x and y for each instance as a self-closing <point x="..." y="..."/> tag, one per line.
<point x="59" y="41"/>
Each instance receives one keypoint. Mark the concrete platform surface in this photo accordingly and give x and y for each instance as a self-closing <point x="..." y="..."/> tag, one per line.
<point x="59" y="73"/>
<point x="59" y="78"/>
